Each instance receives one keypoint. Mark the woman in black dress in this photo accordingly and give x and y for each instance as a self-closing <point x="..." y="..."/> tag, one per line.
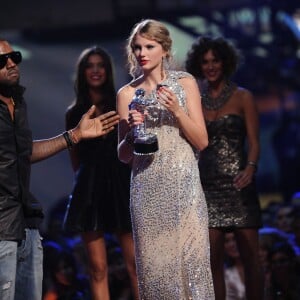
<point x="227" y="167"/>
<point x="99" y="202"/>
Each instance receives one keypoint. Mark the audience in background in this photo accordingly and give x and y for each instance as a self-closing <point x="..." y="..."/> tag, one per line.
<point x="234" y="273"/>
<point x="296" y="231"/>
<point x="285" y="273"/>
<point x="283" y="217"/>
<point x="268" y="237"/>
<point x="64" y="282"/>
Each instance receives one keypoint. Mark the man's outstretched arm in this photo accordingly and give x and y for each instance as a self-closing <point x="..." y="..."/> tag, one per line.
<point x="87" y="128"/>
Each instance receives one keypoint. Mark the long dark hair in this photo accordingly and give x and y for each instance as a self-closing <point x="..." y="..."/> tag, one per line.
<point x="81" y="87"/>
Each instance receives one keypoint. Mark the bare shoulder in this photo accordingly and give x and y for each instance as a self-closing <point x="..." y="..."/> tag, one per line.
<point x="188" y="82"/>
<point x="124" y="90"/>
<point x="186" y="77"/>
<point x="128" y="89"/>
<point x="245" y="98"/>
<point x="244" y="94"/>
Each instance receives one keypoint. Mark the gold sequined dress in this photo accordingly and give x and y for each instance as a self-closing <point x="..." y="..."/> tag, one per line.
<point x="169" y="213"/>
<point x="220" y="162"/>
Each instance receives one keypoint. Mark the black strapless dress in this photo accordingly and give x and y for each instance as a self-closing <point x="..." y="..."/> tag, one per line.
<point x="219" y="163"/>
<point x="101" y="193"/>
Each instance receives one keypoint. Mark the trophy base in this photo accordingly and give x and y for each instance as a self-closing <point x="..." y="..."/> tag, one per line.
<point x="146" y="147"/>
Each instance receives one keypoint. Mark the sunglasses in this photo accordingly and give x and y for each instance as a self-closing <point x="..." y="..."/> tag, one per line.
<point x="15" y="56"/>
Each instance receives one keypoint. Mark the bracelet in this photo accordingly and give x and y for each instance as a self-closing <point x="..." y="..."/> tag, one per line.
<point x="252" y="164"/>
<point x="68" y="139"/>
<point x="73" y="137"/>
<point x="129" y="138"/>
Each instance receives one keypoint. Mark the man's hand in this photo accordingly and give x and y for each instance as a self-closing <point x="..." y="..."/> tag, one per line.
<point x="90" y="127"/>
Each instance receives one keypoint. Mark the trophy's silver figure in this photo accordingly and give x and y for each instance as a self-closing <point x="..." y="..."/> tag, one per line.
<point x="144" y="143"/>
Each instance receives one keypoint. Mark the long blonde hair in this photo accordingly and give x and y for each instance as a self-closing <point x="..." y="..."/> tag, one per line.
<point x="152" y="30"/>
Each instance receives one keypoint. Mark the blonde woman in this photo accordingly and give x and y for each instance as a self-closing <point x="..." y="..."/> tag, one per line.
<point x="168" y="208"/>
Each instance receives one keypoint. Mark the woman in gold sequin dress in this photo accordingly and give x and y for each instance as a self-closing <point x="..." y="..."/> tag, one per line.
<point x="226" y="169"/>
<point x="168" y="208"/>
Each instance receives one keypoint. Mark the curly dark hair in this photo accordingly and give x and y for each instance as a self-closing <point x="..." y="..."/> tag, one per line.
<point x="221" y="48"/>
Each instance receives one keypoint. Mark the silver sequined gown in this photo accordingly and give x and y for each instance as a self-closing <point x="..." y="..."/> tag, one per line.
<point x="169" y="213"/>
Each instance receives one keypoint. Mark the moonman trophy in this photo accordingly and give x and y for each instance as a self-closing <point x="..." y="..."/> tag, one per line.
<point x="144" y="143"/>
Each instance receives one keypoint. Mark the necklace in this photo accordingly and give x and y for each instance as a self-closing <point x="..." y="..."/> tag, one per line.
<point x="211" y="103"/>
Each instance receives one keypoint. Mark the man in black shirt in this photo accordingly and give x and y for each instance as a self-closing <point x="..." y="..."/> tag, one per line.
<point x="20" y="213"/>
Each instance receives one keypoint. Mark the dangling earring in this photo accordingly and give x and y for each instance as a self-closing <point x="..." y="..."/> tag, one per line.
<point x="137" y="70"/>
<point x="164" y="66"/>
